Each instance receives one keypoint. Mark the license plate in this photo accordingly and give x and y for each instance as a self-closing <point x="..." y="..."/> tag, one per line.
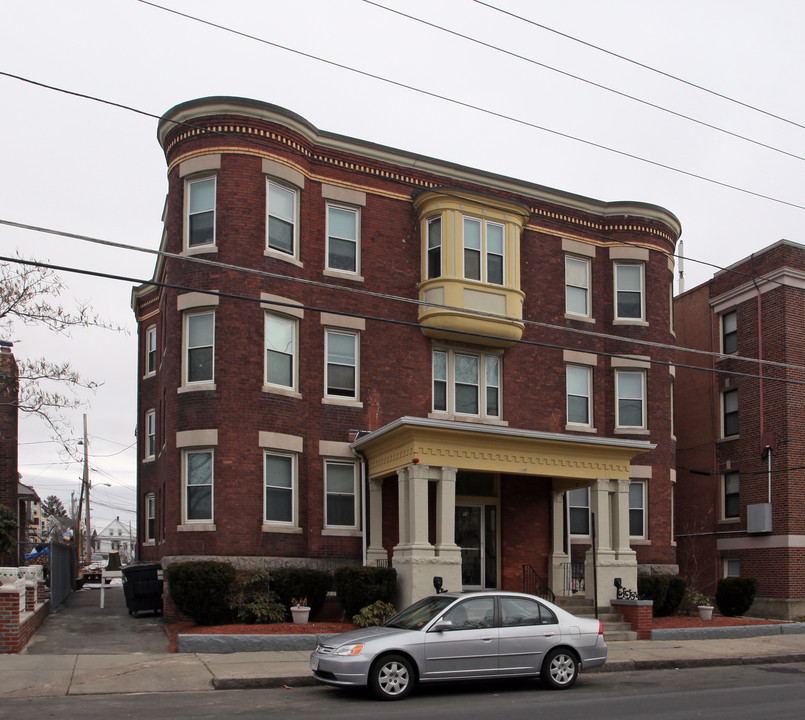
<point x="314" y="664"/>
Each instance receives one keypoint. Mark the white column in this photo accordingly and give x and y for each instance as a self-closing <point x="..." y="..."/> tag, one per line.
<point x="446" y="512"/>
<point x="375" y="551"/>
<point x="418" y="506"/>
<point x="403" y="508"/>
<point x="559" y="558"/>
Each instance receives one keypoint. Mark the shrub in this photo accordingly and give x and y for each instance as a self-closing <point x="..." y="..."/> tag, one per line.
<point x="375" y="614"/>
<point x="653" y="587"/>
<point x="358" y="587"/>
<point x="200" y="589"/>
<point x="290" y="583"/>
<point x="251" y="601"/>
<point x="673" y="597"/>
<point x="735" y="595"/>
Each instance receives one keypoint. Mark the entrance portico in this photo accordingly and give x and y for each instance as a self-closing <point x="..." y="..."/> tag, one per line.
<point x="421" y="451"/>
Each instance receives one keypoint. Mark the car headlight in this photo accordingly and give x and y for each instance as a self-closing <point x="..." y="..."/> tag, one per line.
<point x="349" y="649"/>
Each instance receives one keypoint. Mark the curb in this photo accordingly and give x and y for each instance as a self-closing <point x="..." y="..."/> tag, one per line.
<point x="728" y="633"/>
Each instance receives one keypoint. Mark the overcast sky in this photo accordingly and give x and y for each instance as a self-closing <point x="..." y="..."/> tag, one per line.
<point x="77" y="165"/>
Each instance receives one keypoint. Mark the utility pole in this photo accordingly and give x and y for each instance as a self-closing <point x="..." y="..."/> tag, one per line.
<point x="86" y="490"/>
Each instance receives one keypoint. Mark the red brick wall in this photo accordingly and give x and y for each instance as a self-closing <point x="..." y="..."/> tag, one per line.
<point x="395" y="359"/>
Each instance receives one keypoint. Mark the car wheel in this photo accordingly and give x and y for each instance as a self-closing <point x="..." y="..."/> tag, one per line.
<point x="391" y="678"/>
<point x="560" y="669"/>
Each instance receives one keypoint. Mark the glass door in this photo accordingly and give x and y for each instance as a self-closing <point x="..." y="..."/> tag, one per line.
<point x="476" y="535"/>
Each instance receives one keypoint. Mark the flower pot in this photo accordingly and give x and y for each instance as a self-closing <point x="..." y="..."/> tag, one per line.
<point x="705" y="612"/>
<point x="300" y="614"/>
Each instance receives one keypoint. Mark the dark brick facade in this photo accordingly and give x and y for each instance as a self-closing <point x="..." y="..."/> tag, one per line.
<point x="395" y="355"/>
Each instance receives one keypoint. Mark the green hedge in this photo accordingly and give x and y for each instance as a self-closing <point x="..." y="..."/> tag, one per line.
<point x="655" y="588"/>
<point x="200" y="589"/>
<point x="734" y="596"/>
<point x="358" y="587"/>
<point x="291" y="584"/>
<point x="677" y="587"/>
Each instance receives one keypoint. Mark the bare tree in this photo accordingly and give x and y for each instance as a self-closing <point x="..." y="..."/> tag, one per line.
<point x="30" y="294"/>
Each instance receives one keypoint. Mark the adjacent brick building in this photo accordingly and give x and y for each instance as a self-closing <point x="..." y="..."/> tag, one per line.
<point x="355" y="354"/>
<point x="741" y="429"/>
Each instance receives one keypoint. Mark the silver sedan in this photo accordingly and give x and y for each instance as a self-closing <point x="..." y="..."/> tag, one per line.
<point x="463" y="636"/>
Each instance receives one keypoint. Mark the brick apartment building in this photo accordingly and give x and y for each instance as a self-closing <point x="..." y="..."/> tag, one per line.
<point x="741" y="429"/>
<point x="355" y="354"/>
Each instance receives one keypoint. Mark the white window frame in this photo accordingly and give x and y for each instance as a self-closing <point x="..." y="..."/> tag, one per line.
<point x="150" y="528"/>
<point x="150" y="350"/>
<point x="186" y="519"/>
<point x="150" y="434"/>
<point x="730" y="392"/>
<point x="293" y="220"/>
<point x="328" y="333"/>
<point x="294" y="324"/>
<point x="293" y="489"/>
<point x="729" y="328"/>
<point x="732" y="567"/>
<point x="484" y="252"/>
<point x="189" y="184"/>
<point x="356" y="212"/>
<point x="187" y="349"/>
<point x="574" y="504"/>
<point x="641" y="268"/>
<point x="642" y="508"/>
<point x="619" y="374"/>
<point x="329" y="463"/>
<point x="725" y="476"/>
<point x="572" y="368"/>
<point x="569" y="260"/>
<point x="434" y="249"/>
<point x="485" y="364"/>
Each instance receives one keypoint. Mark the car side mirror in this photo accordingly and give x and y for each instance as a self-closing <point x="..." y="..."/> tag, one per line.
<point x="442" y="625"/>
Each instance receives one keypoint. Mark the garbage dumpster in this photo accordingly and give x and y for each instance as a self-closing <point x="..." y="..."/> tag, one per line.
<point x="142" y="587"/>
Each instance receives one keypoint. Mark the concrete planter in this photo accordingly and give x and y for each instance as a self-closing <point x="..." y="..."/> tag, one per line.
<point x="300" y="614"/>
<point x="705" y="612"/>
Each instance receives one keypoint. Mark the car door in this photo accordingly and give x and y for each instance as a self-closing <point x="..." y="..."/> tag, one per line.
<point x="469" y="648"/>
<point x="528" y="629"/>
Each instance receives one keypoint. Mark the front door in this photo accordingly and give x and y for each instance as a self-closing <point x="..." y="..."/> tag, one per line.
<point x="476" y="535"/>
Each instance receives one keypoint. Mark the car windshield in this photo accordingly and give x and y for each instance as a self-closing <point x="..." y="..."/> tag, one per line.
<point x="420" y="613"/>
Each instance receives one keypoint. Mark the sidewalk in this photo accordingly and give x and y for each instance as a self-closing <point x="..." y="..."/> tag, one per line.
<point x="82" y="650"/>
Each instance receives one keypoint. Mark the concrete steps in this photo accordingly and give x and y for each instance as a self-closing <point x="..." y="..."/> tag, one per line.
<point x="615" y="629"/>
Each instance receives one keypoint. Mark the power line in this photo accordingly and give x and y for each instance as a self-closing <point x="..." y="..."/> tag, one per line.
<point x="640" y="64"/>
<point x="478" y="108"/>
<point x="587" y="81"/>
<point x="378" y="295"/>
<point x="467" y="334"/>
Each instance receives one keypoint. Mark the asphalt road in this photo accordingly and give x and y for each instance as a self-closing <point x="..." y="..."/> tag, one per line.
<point x="715" y="693"/>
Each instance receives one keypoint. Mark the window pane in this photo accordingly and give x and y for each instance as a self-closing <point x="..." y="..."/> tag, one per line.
<point x="578" y="410"/>
<point x="342" y="255"/>
<point x="472" y="234"/>
<point x="279" y="505"/>
<point x="494" y="239"/>
<point x="439" y="395"/>
<point x="440" y="366"/>
<point x="492" y="370"/>
<point x="629" y="305"/>
<point x="731" y="401"/>
<point x="342" y="223"/>
<point x="281" y="202"/>
<point x="340" y="478"/>
<point x="629" y="278"/>
<point x="200" y="330"/>
<point x="202" y="195"/>
<point x="472" y="264"/>
<point x="579" y="521"/>
<point x="467" y="369"/>
<point x="279" y="471"/>
<point x="467" y="399"/>
<point x="636" y="523"/>
<point x="280" y="235"/>
<point x="279" y="334"/>
<point x="635" y="496"/>
<point x="340" y="380"/>
<point x="279" y="369"/>
<point x="434" y="233"/>
<point x="630" y="385"/>
<point x="492" y="401"/>
<point x="341" y="348"/>
<point x="199" y="503"/>
<point x="576" y="272"/>
<point x="199" y="364"/>
<point x="630" y="413"/>
<point x="494" y="269"/>
<point x="340" y="510"/>
<point x="576" y="300"/>
<point x="199" y="468"/>
<point x="577" y="380"/>
<point x="202" y="227"/>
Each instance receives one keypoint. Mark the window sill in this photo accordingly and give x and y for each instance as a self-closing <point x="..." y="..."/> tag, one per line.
<point x="633" y="323"/>
<point x="729" y="521"/>
<point x="200" y="387"/>
<point x="580" y="428"/>
<point x="580" y="318"/>
<point x="201" y="250"/>
<point x="196" y="527"/>
<point x="277" y="255"/>
<point x="342" y="403"/>
<point x="632" y="431"/>
<point x="729" y="438"/>
<point x="287" y="392"/>
<point x="149" y="375"/>
<point x="467" y="419"/>
<point x="149" y="543"/>
<point x="284" y="529"/>
<point x="639" y="541"/>
<point x="345" y="532"/>
<point x="149" y="459"/>
<point x="343" y="275"/>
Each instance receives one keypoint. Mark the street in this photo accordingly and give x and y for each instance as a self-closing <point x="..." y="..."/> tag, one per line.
<point x="731" y="693"/>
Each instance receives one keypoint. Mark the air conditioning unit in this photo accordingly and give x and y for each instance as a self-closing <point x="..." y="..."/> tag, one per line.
<point x="758" y="518"/>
